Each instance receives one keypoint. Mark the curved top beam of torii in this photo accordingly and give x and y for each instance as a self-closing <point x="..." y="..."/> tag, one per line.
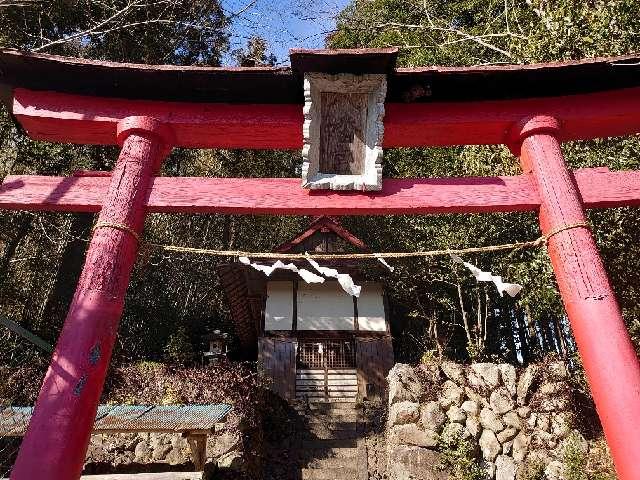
<point x="282" y="84"/>
<point x="79" y="101"/>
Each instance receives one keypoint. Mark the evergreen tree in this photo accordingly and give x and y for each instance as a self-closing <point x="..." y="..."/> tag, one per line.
<point x="474" y="32"/>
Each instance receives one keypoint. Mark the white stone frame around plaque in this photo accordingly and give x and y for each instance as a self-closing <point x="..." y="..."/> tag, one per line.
<point x="375" y="86"/>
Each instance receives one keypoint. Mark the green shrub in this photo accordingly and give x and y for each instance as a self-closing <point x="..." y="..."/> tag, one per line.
<point x="600" y="461"/>
<point x="533" y="470"/>
<point x="458" y="457"/>
<point x="596" y="464"/>
<point x="179" y="349"/>
<point x="574" y="459"/>
<point x="429" y="356"/>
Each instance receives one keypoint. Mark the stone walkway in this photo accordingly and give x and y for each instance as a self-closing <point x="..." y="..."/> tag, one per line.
<point x="331" y="446"/>
<point x="328" y="444"/>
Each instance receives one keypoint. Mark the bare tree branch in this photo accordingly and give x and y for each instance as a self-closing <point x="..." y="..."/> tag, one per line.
<point x="20" y="3"/>
<point x="89" y="31"/>
<point x="465" y="36"/>
<point x="94" y="32"/>
<point x="242" y="10"/>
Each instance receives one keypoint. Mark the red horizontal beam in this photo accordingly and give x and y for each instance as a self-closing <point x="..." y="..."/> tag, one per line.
<point x="586" y="116"/>
<point x="92" y="120"/>
<point x="284" y="196"/>
<point x="66" y="118"/>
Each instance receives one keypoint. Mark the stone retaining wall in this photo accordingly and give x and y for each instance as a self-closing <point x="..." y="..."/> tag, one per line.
<point x="513" y="420"/>
<point x="141" y="451"/>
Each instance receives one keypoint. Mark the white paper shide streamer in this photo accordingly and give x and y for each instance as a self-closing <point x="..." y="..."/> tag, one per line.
<point x="305" y="274"/>
<point x="383" y="261"/>
<point x="344" y="279"/>
<point x="511" y="288"/>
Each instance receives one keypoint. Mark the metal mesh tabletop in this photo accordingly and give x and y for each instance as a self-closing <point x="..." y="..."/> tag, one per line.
<point x="131" y="418"/>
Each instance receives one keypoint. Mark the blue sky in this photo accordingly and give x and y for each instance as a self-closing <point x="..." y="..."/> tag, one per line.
<point x="284" y="24"/>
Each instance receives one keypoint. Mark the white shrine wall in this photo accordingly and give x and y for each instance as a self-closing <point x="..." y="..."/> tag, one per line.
<point x="278" y="313"/>
<point x="324" y="306"/>
<point x="371" y="312"/>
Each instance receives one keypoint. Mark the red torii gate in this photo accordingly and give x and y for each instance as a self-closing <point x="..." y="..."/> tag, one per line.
<point x="532" y="109"/>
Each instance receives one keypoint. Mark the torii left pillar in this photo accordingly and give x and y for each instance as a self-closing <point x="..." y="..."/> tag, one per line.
<point x="56" y="441"/>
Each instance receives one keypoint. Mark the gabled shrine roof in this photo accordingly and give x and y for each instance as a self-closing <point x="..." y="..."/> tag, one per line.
<point x="322" y="224"/>
<point x="283" y="84"/>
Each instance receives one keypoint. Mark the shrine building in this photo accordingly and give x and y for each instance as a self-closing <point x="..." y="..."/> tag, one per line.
<point x="315" y="341"/>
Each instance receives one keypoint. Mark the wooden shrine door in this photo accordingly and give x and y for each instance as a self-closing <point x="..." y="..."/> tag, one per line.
<point x="276" y="357"/>
<point x="326" y="371"/>
<point x="374" y="358"/>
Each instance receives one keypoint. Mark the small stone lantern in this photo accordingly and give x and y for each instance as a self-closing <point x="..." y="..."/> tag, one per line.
<point x="218" y="346"/>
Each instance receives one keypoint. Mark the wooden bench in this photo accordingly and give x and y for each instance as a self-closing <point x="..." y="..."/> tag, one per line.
<point x="195" y="422"/>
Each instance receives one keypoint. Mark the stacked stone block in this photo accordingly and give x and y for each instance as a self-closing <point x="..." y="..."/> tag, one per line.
<point x="511" y="418"/>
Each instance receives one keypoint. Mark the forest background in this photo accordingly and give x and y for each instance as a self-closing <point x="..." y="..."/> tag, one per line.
<point x="437" y="308"/>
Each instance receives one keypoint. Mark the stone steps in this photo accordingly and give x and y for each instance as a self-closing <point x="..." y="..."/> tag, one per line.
<point x="329" y="452"/>
<point x="329" y="434"/>
<point x="337" y="417"/>
<point x="330" y="443"/>
<point x="330" y="463"/>
<point x="331" y="411"/>
<point x="333" y="424"/>
<point x="329" y="474"/>
<point x="326" y="406"/>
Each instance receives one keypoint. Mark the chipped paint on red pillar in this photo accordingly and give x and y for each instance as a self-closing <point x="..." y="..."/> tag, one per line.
<point x="608" y="356"/>
<point x="55" y="444"/>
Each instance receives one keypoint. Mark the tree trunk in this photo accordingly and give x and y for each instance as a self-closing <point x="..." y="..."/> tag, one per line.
<point x="549" y="333"/>
<point x="534" y="340"/>
<point x="22" y="230"/>
<point x="560" y="335"/>
<point x="68" y="273"/>
<point x="465" y="320"/>
<point x="522" y="335"/>
<point x="509" y="320"/>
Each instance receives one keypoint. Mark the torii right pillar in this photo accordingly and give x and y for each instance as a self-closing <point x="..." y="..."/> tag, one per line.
<point x="608" y="356"/>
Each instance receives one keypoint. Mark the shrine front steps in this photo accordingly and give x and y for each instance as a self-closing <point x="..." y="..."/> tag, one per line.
<point x="331" y="444"/>
<point x="338" y="420"/>
<point x="331" y="463"/>
<point x="340" y="473"/>
<point x="323" y="432"/>
<point x="321" y="406"/>
<point x="335" y="463"/>
<point x="328" y="413"/>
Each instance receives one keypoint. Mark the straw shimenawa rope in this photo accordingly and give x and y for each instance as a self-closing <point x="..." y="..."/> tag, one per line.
<point x="118" y="226"/>
<point x="334" y="256"/>
<point x="562" y="228"/>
